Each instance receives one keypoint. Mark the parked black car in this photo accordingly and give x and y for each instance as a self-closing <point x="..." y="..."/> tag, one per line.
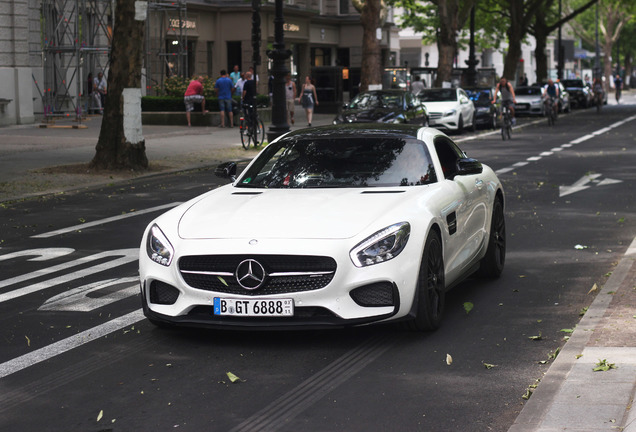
<point x="486" y="114"/>
<point x="384" y="106"/>
<point x="581" y="95"/>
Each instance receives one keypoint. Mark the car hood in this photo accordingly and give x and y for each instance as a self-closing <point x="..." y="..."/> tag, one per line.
<point x="528" y="98"/>
<point x="441" y="106"/>
<point x="231" y="212"/>
<point x="368" y="115"/>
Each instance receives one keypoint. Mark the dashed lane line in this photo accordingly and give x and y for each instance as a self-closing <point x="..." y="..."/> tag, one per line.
<point x="104" y="221"/>
<point x="565" y="146"/>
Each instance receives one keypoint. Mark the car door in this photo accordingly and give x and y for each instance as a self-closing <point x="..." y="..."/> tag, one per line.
<point x="465" y="212"/>
<point x="466" y="106"/>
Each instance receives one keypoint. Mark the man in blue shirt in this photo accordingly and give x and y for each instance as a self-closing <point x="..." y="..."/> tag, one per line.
<point x="224" y="88"/>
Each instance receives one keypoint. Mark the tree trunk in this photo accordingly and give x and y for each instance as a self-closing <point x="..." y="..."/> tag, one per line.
<point x="371" y="68"/>
<point x="446" y="41"/>
<point x="516" y="32"/>
<point x="121" y="144"/>
<point x="541" y="38"/>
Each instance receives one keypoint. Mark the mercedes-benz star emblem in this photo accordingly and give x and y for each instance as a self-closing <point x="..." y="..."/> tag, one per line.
<point x="250" y="274"/>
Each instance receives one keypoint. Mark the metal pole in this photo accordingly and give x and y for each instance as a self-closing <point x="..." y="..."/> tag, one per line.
<point x="597" y="62"/>
<point x="471" y="73"/>
<point x="560" y="51"/>
<point x="279" y="55"/>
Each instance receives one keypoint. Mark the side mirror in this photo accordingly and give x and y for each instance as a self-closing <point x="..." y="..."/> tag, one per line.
<point x="469" y="166"/>
<point x="226" y="170"/>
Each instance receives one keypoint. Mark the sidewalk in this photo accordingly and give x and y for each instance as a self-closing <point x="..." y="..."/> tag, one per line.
<point x="37" y="161"/>
<point x="570" y="397"/>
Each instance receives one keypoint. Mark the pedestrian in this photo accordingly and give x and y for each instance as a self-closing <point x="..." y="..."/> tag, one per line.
<point x="102" y="87"/>
<point x="417" y="85"/>
<point x="238" y="87"/>
<point x="89" y="93"/>
<point x="254" y="75"/>
<point x="98" y="105"/>
<point x="308" y="98"/>
<point x="194" y="94"/>
<point x="290" y="96"/>
<point x="618" y="86"/>
<point x="235" y="76"/>
<point x="523" y="81"/>
<point x="224" y="88"/>
<point x="249" y="96"/>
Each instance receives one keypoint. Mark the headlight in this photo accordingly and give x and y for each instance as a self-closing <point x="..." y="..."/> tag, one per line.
<point x="449" y="113"/>
<point x="382" y="246"/>
<point x="158" y="247"/>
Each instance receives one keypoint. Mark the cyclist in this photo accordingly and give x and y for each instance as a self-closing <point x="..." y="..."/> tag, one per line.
<point x="249" y="96"/>
<point x="598" y="91"/>
<point x="618" y="85"/>
<point x="551" y="92"/>
<point x="508" y="98"/>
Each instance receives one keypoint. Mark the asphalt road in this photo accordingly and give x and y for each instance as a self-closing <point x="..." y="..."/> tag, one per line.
<point x="77" y="355"/>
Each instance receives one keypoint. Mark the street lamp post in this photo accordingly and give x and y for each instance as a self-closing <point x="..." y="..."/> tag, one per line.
<point x="471" y="73"/>
<point x="279" y="56"/>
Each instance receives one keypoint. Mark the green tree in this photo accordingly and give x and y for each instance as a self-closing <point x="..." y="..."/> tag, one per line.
<point x="547" y="20"/>
<point x="372" y="15"/>
<point x="613" y="15"/>
<point x="440" y="21"/>
<point x="120" y="143"/>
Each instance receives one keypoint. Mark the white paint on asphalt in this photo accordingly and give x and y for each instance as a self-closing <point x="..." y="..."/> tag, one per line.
<point x="78" y="299"/>
<point x="19" y="363"/>
<point x="116" y="258"/>
<point x="565" y="146"/>
<point x="104" y="221"/>
<point x="43" y="254"/>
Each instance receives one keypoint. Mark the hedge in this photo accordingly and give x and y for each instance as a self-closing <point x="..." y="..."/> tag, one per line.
<point x="173" y="103"/>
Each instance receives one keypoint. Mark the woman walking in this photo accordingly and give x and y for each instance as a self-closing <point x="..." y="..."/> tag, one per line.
<point x="308" y="98"/>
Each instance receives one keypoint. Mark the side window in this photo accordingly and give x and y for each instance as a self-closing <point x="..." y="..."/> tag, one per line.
<point x="448" y="154"/>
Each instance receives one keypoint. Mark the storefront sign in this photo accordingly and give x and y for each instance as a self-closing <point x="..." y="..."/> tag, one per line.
<point x="176" y="23"/>
<point x="289" y="27"/>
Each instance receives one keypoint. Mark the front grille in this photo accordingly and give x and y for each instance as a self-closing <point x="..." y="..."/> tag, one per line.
<point x="374" y="295"/>
<point x="162" y="293"/>
<point x="434" y="115"/>
<point x="285" y="273"/>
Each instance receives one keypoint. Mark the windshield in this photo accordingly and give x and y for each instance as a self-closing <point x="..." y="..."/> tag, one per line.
<point x="573" y="83"/>
<point x="375" y="100"/>
<point x="341" y="163"/>
<point x="528" y="91"/>
<point x="479" y="95"/>
<point x="438" y="95"/>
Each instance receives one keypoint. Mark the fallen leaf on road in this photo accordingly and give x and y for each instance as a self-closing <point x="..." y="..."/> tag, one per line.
<point x="449" y="359"/>
<point x="100" y="415"/>
<point x="233" y="378"/>
<point x="593" y="289"/>
<point x="468" y="306"/>
<point x="580" y="247"/>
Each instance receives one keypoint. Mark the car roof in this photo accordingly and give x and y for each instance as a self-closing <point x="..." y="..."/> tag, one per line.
<point x="356" y="130"/>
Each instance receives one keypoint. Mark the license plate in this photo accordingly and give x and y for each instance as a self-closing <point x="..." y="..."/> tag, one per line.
<point x="254" y="307"/>
<point x="523" y="106"/>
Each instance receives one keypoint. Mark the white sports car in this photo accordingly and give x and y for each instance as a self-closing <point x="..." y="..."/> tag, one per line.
<point x="328" y="226"/>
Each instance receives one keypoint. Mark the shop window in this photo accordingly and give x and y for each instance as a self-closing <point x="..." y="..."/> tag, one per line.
<point x="321" y="56"/>
<point x="344" y="7"/>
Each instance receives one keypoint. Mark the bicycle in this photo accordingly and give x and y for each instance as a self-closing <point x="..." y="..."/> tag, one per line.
<point x="506" y="122"/>
<point x="550" y="110"/>
<point x="251" y="127"/>
<point x="598" y="100"/>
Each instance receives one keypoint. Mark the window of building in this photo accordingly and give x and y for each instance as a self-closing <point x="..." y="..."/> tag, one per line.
<point x="344" y="7"/>
<point x="210" y="64"/>
<point x="321" y="56"/>
<point x="342" y="57"/>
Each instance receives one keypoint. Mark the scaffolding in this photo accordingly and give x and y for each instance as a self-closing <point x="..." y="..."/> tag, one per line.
<point x="75" y="40"/>
<point x="166" y="51"/>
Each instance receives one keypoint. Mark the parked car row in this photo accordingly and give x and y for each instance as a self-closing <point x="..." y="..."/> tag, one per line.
<point x="454" y="109"/>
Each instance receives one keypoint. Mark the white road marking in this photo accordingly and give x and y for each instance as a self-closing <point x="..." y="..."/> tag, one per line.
<point x="19" y="363"/>
<point x="579" y="185"/>
<point x="125" y="256"/>
<point x="565" y="146"/>
<point x="43" y="254"/>
<point x="78" y="300"/>
<point x="104" y="221"/>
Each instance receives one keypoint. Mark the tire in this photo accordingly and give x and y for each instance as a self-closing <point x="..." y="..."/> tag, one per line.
<point x="245" y="140"/>
<point x="259" y="137"/>
<point x="473" y="126"/>
<point x="460" y="125"/>
<point x="492" y="264"/>
<point x="430" y="293"/>
<point x="493" y="125"/>
<point x="503" y="130"/>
